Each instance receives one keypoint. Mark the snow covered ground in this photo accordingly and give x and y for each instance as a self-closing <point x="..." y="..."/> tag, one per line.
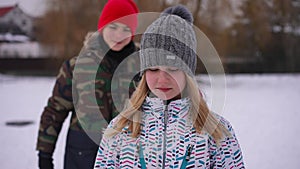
<point x="262" y="109"/>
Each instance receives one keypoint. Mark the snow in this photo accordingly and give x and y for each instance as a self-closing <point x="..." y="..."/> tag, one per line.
<point x="22" y="99"/>
<point x="26" y="50"/>
<point x="13" y="38"/>
<point x="264" y="114"/>
<point x="262" y="109"/>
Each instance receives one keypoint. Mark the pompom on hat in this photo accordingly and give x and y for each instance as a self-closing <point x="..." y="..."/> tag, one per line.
<point x="123" y="11"/>
<point x="170" y="41"/>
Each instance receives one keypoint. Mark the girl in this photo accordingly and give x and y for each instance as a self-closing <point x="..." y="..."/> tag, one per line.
<point x="167" y="124"/>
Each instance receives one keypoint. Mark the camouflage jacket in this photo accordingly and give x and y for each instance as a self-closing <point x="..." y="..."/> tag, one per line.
<point x="93" y="86"/>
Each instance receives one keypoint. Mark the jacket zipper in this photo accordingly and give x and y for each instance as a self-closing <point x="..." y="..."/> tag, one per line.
<point x="187" y="156"/>
<point x="165" y="133"/>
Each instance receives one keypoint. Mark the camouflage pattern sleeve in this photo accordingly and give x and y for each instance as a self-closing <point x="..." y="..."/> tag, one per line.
<point x="92" y="101"/>
<point x="57" y="109"/>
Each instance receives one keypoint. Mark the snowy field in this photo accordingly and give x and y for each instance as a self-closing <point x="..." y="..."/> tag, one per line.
<point x="262" y="109"/>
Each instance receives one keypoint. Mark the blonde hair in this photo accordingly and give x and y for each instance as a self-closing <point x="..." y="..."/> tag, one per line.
<point x="204" y="119"/>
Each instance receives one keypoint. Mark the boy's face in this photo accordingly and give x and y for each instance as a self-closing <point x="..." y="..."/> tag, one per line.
<point x="165" y="82"/>
<point x="116" y="35"/>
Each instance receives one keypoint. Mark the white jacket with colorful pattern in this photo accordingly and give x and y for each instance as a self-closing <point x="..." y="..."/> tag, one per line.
<point x="174" y="144"/>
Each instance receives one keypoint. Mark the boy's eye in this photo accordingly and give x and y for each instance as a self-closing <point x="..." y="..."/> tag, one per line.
<point x="126" y="30"/>
<point x="112" y="27"/>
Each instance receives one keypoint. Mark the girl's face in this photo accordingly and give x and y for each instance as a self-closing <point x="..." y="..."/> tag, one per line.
<point x="165" y="82"/>
<point x="116" y="35"/>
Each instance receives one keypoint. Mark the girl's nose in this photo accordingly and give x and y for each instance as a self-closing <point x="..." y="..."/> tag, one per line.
<point x="163" y="75"/>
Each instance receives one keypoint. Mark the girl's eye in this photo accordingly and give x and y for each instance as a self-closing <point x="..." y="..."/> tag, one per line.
<point x="153" y="69"/>
<point x="173" y="69"/>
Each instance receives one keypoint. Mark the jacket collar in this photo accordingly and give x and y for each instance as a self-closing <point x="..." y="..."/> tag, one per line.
<point x="175" y="108"/>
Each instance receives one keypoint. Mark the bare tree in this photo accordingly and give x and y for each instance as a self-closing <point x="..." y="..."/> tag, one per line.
<point x="286" y="21"/>
<point x="151" y="6"/>
<point x="65" y="24"/>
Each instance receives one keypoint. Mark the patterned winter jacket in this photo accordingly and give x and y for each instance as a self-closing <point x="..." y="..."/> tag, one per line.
<point x="83" y="87"/>
<point x="171" y="143"/>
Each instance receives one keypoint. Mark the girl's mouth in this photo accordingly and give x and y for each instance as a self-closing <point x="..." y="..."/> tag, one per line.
<point x="164" y="89"/>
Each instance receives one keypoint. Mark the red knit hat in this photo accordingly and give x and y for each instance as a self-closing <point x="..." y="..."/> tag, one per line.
<point x="114" y="10"/>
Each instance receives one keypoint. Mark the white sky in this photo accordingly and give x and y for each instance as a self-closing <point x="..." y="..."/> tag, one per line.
<point x="31" y="7"/>
<point x="263" y="110"/>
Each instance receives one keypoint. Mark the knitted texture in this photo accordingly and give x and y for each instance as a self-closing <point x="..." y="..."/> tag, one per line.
<point x="170" y="41"/>
<point x="124" y="11"/>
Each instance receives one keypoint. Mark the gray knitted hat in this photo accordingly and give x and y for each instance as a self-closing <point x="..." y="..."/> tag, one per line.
<point x="170" y="41"/>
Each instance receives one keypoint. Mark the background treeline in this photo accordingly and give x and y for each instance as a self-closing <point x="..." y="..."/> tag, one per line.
<point x="253" y="36"/>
